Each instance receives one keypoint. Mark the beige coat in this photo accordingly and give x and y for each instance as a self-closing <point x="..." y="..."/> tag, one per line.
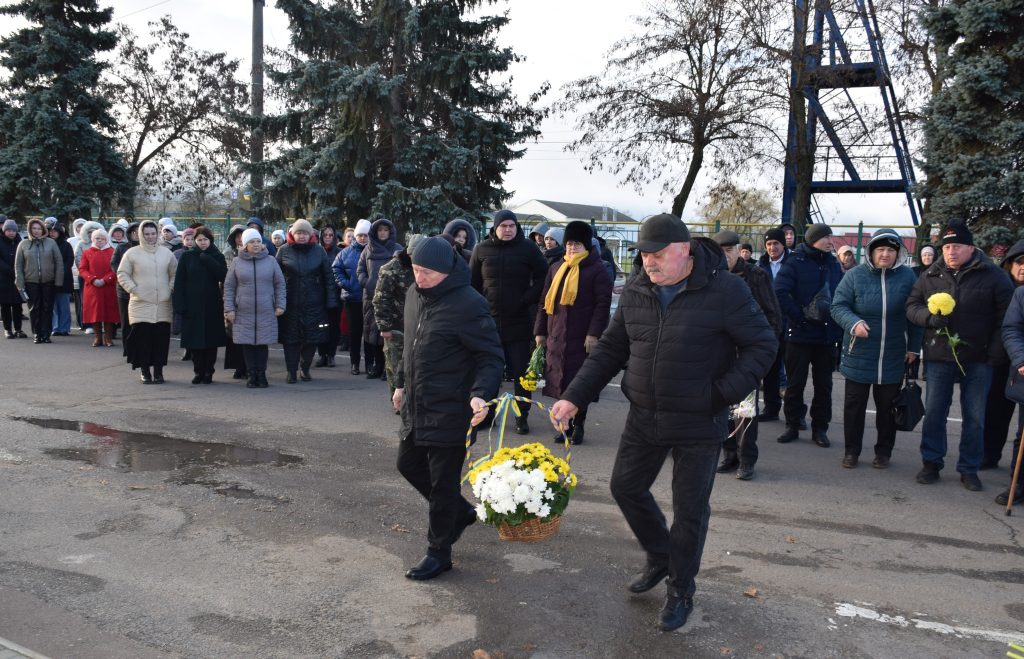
<point x="147" y="274"/>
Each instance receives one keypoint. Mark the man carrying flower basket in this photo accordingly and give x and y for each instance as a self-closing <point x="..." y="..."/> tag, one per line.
<point x="696" y="343"/>
<point x="452" y="364"/>
<point x="960" y="299"/>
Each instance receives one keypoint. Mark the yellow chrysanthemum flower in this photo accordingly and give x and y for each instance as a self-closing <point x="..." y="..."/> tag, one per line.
<point x="941" y="304"/>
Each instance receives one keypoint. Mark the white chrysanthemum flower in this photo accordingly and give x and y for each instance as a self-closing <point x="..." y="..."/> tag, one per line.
<point x="481" y="512"/>
<point x="545" y="511"/>
<point x="522" y="493"/>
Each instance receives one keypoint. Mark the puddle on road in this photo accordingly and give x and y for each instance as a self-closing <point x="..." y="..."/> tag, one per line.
<point x="189" y="461"/>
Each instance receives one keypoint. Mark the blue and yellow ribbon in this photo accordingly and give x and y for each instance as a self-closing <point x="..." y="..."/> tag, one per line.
<point x="502" y="405"/>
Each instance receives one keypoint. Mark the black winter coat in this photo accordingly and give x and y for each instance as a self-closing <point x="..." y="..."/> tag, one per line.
<point x="115" y="261"/>
<point x="374" y="256"/>
<point x="801" y="277"/>
<point x="554" y="255"/>
<point x="510" y="274"/>
<point x="760" y="284"/>
<point x="1013" y="330"/>
<point x="311" y="290"/>
<point x="197" y="298"/>
<point x="452" y="353"/>
<point x="569" y="326"/>
<point x="8" y="290"/>
<point x="982" y="292"/>
<point x="67" y="254"/>
<point x="709" y="349"/>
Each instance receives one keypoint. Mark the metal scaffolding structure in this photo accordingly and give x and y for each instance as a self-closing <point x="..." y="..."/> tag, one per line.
<point x="862" y="153"/>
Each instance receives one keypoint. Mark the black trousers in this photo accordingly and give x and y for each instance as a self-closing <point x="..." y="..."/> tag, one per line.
<point x="435" y="472"/>
<point x="517" y="358"/>
<point x="255" y="357"/>
<point x="11" y="314"/>
<point x="354" y="310"/>
<point x="78" y="304"/>
<point x="855" y="408"/>
<point x="204" y="360"/>
<point x="40" y="308"/>
<point x="637" y="464"/>
<point x="819" y="359"/>
<point x="330" y="348"/>
<point x="745" y="443"/>
<point x="998" y="415"/>
<point x="294" y="351"/>
<point x="770" y="385"/>
<point x="1016" y="448"/>
<point x="126" y="327"/>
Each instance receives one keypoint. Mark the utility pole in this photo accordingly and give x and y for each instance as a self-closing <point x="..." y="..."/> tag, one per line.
<point x="256" y="137"/>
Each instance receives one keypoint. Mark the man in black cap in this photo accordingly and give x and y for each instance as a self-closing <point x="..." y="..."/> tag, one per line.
<point x="696" y="343"/>
<point x="775" y="254"/>
<point x="740" y="453"/>
<point x="982" y="293"/>
<point x="509" y="271"/>
<point x="805" y="286"/>
<point x="747" y="253"/>
<point x="451" y="366"/>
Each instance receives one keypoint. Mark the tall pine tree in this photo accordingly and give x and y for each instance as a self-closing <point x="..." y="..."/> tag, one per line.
<point x="54" y="159"/>
<point x="393" y="110"/>
<point x="974" y="151"/>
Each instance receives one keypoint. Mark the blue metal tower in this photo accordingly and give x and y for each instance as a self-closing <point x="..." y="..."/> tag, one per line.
<point x="844" y="57"/>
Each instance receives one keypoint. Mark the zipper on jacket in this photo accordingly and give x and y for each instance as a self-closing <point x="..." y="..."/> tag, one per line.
<point x="885" y="304"/>
<point x="255" y="306"/>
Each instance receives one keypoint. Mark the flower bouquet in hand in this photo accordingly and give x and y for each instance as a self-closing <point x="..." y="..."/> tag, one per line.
<point x="535" y="369"/>
<point x="523" y="491"/>
<point x="941" y="305"/>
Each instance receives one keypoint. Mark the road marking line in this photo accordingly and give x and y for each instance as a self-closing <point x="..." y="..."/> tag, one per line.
<point x="848" y="610"/>
<point x="14" y="647"/>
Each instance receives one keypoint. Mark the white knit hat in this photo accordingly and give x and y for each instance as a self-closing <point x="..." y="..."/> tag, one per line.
<point x="251" y="234"/>
<point x="164" y="221"/>
<point x="363" y="228"/>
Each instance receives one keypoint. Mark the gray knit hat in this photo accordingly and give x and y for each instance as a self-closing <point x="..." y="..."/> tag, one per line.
<point x="557" y="234"/>
<point x="10" y="225"/>
<point x="434" y="253"/>
<point x="816" y="232"/>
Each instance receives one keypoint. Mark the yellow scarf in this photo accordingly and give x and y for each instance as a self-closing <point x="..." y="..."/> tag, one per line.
<point x="570" y="272"/>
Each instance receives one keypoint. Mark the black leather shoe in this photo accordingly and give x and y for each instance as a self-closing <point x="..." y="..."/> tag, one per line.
<point x="322" y="362"/>
<point x="198" y="379"/>
<point x="355" y="370"/>
<point x="428" y="568"/>
<point x="578" y="433"/>
<point x="21" y="335"/>
<point x="1018" y="496"/>
<point x="820" y="438"/>
<point x="330" y="362"/>
<point x="463" y="524"/>
<point x="745" y="472"/>
<point x="37" y="340"/>
<point x="261" y="379"/>
<point x="291" y="379"/>
<point x="8" y="334"/>
<point x="522" y="427"/>
<point x="971" y="482"/>
<point x="803" y="424"/>
<point x="252" y="382"/>
<point x="304" y="374"/>
<point x="729" y="463"/>
<point x="791" y="435"/>
<point x="238" y="374"/>
<point x="146" y="377"/>
<point x="929" y="474"/>
<point x="676" y="611"/>
<point x="649" y="578"/>
<point x="881" y="462"/>
<point x="768" y="416"/>
<point x="849" y="461"/>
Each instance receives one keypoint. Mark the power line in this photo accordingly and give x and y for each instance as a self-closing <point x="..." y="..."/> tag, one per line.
<point x="139" y="11"/>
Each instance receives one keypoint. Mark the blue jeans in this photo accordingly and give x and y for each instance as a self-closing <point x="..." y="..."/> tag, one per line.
<point x="974" y="388"/>
<point x="62" y="312"/>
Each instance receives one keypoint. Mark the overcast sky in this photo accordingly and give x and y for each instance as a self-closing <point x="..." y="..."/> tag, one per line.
<point x="561" y="40"/>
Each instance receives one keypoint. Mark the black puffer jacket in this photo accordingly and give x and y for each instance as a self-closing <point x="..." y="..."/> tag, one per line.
<point x="8" y="291"/>
<point x="310" y="291"/>
<point x="982" y="292"/>
<point x="68" y="254"/>
<point x="760" y="284"/>
<point x="452" y="353"/>
<point x="510" y="274"/>
<point x="687" y="364"/>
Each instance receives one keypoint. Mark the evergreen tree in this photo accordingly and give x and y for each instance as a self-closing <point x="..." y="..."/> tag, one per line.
<point x="975" y="130"/>
<point x="54" y="159"/>
<point x="392" y="111"/>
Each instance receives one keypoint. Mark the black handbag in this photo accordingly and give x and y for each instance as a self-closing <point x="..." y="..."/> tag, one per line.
<point x="1015" y="387"/>
<point x="907" y="408"/>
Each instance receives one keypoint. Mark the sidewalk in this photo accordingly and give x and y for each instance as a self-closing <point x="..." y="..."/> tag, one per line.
<point x="11" y="650"/>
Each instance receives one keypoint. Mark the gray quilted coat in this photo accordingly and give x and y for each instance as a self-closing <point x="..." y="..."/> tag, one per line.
<point x="254" y="287"/>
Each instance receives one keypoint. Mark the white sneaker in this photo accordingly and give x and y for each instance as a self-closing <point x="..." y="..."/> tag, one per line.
<point x="88" y="330"/>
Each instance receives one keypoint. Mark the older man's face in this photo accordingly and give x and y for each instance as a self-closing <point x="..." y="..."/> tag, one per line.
<point x="732" y="254"/>
<point x="427" y="278"/>
<point x="669" y="265"/>
<point x="957" y="255"/>
<point x="506" y="230"/>
<point x="847" y="257"/>
<point x="774" y="249"/>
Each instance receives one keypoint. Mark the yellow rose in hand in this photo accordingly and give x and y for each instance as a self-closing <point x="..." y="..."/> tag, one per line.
<point x="941" y="304"/>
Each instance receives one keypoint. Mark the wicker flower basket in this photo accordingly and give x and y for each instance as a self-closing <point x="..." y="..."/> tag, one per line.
<point x="532" y="530"/>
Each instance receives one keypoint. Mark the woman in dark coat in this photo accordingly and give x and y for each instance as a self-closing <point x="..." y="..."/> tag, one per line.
<point x="233" y="358"/>
<point x="554" y="248"/>
<point x="10" y="298"/>
<point x="380" y="250"/>
<point x="62" y="296"/>
<point x="197" y="298"/>
<point x="329" y="349"/>
<point x="311" y="291"/>
<point x="132" y="236"/>
<point x="254" y="298"/>
<point x="464" y="236"/>
<point x="573" y="314"/>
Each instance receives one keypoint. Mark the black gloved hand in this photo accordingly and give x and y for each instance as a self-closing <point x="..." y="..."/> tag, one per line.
<point x="938" y="322"/>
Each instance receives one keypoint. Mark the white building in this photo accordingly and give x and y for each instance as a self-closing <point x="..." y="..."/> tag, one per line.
<point x="618" y="229"/>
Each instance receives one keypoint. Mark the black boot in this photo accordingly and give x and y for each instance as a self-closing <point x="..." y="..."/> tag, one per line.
<point x="1018" y="495"/>
<point x="559" y="439"/>
<point x="158" y="375"/>
<point x="304" y="373"/>
<point x="320" y="363"/>
<point x="291" y="379"/>
<point x="730" y="461"/>
<point x="238" y="374"/>
<point x="330" y="362"/>
<point x="790" y="435"/>
<point x="676" y="611"/>
<point x="522" y="427"/>
<point x="253" y="380"/>
<point x="146" y="377"/>
<point x="929" y="473"/>
<point x="578" y="428"/>
<point x="261" y="379"/>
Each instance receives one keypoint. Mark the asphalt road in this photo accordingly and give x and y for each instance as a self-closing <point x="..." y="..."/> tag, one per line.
<point x="216" y="521"/>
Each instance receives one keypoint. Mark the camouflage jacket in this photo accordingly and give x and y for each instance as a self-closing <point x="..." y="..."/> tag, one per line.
<point x="393" y="282"/>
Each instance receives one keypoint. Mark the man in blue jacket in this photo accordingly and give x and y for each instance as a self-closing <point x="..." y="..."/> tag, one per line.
<point x="257" y="223"/>
<point x="805" y="286"/>
<point x="775" y="254"/>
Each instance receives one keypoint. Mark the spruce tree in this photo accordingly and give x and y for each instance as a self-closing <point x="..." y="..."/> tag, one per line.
<point x="393" y="110"/>
<point x="54" y="156"/>
<point x="975" y="128"/>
